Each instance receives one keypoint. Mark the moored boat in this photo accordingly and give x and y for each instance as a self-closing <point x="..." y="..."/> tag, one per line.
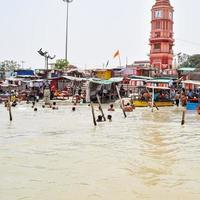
<point x="193" y="104"/>
<point x="161" y="97"/>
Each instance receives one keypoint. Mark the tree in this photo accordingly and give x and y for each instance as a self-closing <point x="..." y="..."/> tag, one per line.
<point x="61" y="64"/>
<point x="192" y="61"/>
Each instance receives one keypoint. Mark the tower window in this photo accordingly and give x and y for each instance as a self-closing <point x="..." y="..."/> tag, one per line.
<point x="157" y="34"/>
<point x="157" y="46"/>
<point x="158" y="25"/>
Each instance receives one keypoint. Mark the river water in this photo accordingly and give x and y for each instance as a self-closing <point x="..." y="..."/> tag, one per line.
<point x="60" y="155"/>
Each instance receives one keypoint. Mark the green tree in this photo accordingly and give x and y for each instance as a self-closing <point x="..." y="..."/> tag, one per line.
<point x="61" y="64"/>
<point x="192" y="61"/>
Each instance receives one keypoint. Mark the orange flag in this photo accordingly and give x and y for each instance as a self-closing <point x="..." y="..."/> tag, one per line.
<point x="116" y="54"/>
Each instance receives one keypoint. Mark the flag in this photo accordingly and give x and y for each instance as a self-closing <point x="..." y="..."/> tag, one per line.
<point x="116" y="54"/>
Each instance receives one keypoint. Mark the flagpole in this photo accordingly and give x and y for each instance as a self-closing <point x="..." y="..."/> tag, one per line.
<point x="126" y="61"/>
<point x="120" y="63"/>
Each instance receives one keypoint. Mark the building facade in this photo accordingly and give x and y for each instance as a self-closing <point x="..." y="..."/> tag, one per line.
<point x="161" y="39"/>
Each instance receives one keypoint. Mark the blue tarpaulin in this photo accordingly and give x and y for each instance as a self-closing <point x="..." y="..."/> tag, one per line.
<point x="27" y="72"/>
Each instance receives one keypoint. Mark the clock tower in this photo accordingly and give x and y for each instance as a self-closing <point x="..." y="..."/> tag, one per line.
<point x="161" y="39"/>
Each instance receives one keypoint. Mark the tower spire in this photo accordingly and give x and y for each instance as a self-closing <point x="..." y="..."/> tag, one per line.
<point x="162" y="2"/>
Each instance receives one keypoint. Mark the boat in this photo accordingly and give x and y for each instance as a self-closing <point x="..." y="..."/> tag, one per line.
<point x="193" y="104"/>
<point x="157" y="96"/>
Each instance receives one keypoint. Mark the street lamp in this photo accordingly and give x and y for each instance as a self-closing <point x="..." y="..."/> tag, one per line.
<point x="67" y="20"/>
<point x="46" y="55"/>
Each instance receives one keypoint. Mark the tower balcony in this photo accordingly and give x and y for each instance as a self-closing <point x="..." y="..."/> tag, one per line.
<point x="159" y="51"/>
<point x="161" y="39"/>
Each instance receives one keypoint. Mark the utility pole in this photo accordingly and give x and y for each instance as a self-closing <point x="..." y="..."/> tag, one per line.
<point x="67" y="28"/>
<point x="47" y="92"/>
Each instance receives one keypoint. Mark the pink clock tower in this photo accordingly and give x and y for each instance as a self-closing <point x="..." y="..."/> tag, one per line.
<point x="161" y="40"/>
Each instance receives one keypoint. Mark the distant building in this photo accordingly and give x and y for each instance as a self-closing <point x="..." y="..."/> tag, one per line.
<point x="139" y="68"/>
<point x="161" y="39"/>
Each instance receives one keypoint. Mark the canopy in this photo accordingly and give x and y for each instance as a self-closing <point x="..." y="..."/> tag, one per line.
<point x="8" y="85"/>
<point x="159" y="88"/>
<point x="106" y="82"/>
<point x="159" y="81"/>
<point x="72" y="78"/>
<point x="140" y="77"/>
<point x="191" y="82"/>
<point x="189" y="69"/>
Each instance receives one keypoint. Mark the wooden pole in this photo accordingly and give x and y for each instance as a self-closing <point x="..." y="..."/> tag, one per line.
<point x="153" y="102"/>
<point x="100" y="107"/>
<point x="183" y="118"/>
<point x="121" y="104"/>
<point x="93" y="115"/>
<point x="9" y="105"/>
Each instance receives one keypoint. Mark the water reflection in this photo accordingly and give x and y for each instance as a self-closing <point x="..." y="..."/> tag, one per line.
<point x="158" y="156"/>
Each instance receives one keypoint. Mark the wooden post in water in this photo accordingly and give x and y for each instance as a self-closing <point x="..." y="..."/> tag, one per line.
<point x="100" y="107"/>
<point x="183" y="117"/>
<point x="9" y="105"/>
<point x="93" y="115"/>
<point x="152" y="103"/>
<point x="121" y="104"/>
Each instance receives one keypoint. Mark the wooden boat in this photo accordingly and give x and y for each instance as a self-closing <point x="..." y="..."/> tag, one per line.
<point x="140" y="101"/>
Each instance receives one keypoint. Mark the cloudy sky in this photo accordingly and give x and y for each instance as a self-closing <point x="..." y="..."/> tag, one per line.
<point x="96" y="30"/>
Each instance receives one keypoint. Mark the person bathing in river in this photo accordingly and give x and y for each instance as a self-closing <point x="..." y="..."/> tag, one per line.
<point x="54" y="107"/>
<point x="111" y="108"/>
<point x="33" y="104"/>
<point x="109" y="117"/>
<point x="177" y="99"/>
<point x="183" y="100"/>
<point x="128" y="108"/>
<point x="99" y="118"/>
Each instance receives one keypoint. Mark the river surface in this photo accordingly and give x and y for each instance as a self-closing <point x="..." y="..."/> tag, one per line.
<point x="60" y="155"/>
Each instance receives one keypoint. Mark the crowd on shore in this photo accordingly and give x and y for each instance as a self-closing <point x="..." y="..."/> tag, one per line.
<point x="179" y="97"/>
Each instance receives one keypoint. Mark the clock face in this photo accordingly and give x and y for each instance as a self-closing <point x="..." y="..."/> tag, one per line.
<point x="158" y="13"/>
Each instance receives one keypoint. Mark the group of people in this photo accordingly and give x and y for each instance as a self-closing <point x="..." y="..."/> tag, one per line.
<point x="126" y="108"/>
<point x="183" y="96"/>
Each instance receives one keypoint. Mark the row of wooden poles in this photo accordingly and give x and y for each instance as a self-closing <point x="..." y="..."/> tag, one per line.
<point x="100" y="108"/>
<point x="122" y="107"/>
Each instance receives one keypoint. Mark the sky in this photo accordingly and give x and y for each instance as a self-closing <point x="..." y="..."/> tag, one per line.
<point x="97" y="29"/>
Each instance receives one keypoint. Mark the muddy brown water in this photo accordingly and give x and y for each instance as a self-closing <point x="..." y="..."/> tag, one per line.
<point x="60" y="155"/>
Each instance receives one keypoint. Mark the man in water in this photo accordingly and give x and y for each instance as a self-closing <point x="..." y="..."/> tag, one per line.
<point x="128" y="108"/>
<point x="109" y="117"/>
<point x="111" y="108"/>
<point x="99" y="118"/>
<point x="54" y="107"/>
<point x="177" y="99"/>
<point x="183" y="100"/>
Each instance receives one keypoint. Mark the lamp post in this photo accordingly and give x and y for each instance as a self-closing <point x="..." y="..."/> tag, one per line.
<point x="67" y="25"/>
<point x="47" y="89"/>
